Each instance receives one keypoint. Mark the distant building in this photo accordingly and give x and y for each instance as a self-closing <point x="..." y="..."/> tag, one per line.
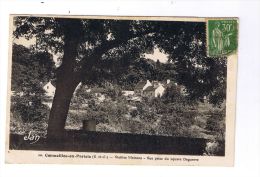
<point x="149" y="92"/>
<point x="49" y="89"/>
<point x="156" y="90"/>
<point x="128" y="93"/>
<point x="159" y="91"/>
<point x="141" y="86"/>
<point x="149" y="89"/>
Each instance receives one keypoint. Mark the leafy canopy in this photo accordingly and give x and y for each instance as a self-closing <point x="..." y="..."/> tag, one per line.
<point x="111" y="50"/>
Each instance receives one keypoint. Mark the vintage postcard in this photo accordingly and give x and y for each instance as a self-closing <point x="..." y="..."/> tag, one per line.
<point x="122" y="90"/>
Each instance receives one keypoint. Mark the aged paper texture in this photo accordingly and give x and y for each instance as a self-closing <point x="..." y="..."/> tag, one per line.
<point x="122" y="90"/>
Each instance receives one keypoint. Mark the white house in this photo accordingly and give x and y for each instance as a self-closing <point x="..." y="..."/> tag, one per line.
<point x="141" y="86"/>
<point x="49" y="89"/>
<point x="149" y="91"/>
<point x="148" y="83"/>
<point x="156" y="90"/>
<point x="159" y="91"/>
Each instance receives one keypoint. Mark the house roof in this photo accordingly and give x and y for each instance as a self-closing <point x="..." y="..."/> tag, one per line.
<point x="140" y="85"/>
<point x="149" y="89"/>
<point x="164" y="82"/>
<point x="52" y="82"/>
<point x="171" y="84"/>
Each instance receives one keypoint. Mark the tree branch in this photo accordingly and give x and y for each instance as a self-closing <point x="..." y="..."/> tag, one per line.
<point x="92" y="60"/>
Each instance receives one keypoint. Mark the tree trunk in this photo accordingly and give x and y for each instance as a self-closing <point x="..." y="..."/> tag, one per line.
<point x="60" y="106"/>
<point x="67" y="78"/>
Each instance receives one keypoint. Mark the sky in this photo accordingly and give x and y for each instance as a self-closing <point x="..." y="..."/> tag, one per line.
<point x="32" y="41"/>
<point x="156" y="55"/>
<point x="24" y="42"/>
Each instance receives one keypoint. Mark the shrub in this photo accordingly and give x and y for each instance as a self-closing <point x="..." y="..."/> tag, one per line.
<point x="29" y="108"/>
<point x="134" y="113"/>
<point x="216" y="123"/>
<point x="18" y="126"/>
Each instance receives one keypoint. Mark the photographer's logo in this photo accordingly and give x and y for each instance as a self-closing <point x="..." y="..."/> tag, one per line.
<point x="31" y="137"/>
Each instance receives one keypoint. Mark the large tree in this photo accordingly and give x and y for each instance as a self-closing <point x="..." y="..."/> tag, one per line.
<point x="95" y="50"/>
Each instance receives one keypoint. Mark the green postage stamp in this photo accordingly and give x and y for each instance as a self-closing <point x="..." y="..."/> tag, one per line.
<point x="222" y="35"/>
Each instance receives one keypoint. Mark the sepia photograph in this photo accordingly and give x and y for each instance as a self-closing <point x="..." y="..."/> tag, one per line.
<point x="127" y="85"/>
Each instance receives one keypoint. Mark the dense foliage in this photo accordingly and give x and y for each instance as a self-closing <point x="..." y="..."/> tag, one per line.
<point x="30" y="70"/>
